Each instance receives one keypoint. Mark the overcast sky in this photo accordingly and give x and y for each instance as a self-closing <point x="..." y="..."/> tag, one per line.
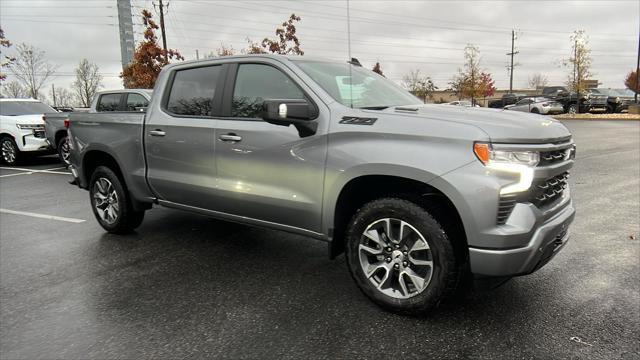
<point x="401" y="35"/>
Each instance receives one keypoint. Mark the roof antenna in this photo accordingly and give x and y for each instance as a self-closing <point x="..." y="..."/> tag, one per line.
<point x="350" y="58"/>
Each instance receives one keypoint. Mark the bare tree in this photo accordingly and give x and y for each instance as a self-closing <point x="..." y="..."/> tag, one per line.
<point x="62" y="97"/>
<point x="88" y="81"/>
<point x="31" y="69"/>
<point x="537" y="81"/>
<point x="13" y="89"/>
<point x="418" y="85"/>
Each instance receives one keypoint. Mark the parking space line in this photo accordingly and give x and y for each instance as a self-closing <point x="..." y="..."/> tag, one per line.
<point x="35" y="171"/>
<point x="22" y="173"/>
<point x="41" y="216"/>
<point x="55" y="168"/>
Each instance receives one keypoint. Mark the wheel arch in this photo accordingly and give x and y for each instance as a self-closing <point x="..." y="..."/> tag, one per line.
<point x="361" y="189"/>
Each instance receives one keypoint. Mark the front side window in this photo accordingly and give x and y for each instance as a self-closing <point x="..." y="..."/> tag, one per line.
<point x="355" y="86"/>
<point x="193" y="90"/>
<point x="109" y="102"/>
<point x="256" y="83"/>
<point x="136" y="101"/>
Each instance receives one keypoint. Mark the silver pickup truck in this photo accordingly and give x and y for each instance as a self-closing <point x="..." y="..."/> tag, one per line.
<point x="417" y="196"/>
<point x="128" y="100"/>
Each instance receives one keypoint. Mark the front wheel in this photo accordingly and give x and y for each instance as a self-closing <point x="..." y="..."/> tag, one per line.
<point x="111" y="203"/>
<point x="400" y="256"/>
<point x="10" y="151"/>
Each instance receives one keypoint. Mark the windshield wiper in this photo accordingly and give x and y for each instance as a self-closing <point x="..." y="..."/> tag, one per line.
<point x="374" y="107"/>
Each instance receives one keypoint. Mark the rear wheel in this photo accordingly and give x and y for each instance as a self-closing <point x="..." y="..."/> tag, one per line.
<point x="400" y="256"/>
<point x="10" y="152"/>
<point x="111" y="203"/>
<point x="535" y="111"/>
<point x="572" y="109"/>
<point x="63" y="150"/>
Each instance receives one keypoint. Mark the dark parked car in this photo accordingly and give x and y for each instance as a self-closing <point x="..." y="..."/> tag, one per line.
<point x="589" y="101"/>
<point x="507" y="99"/>
<point x="617" y="100"/>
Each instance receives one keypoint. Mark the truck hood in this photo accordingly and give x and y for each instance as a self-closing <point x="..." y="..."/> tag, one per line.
<point x="35" y="119"/>
<point x="500" y="125"/>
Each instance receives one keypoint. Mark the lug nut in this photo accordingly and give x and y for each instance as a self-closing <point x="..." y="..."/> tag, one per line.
<point x="388" y="249"/>
<point x="396" y="266"/>
<point x="405" y="264"/>
<point x="388" y="259"/>
<point x="397" y="246"/>
<point x="405" y="253"/>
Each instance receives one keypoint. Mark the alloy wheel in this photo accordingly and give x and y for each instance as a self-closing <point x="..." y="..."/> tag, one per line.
<point x="8" y="151"/>
<point x="396" y="258"/>
<point x="64" y="150"/>
<point x="106" y="200"/>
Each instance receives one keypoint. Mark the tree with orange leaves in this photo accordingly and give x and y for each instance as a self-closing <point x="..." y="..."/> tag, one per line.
<point x="148" y="59"/>
<point x="287" y="42"/>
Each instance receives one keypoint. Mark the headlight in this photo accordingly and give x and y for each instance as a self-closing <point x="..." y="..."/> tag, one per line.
<point x="516" y="162"/>
<point x="29" y="126"/>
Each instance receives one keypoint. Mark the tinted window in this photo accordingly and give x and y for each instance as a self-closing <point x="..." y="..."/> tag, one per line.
<point x="14" y="108"/>
<point x="357" y="86"/>
<point x="256" y="83"/>
<point x="136" y="101"/>
<point x="192" y="91"/>
<point x="109" y="102"/>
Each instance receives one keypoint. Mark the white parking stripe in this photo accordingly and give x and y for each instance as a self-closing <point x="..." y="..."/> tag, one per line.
<point x="56" y="168"/>
<point x="22" y="173"/>
<point x="36" y="171"/>
<point x="41" y="216"/>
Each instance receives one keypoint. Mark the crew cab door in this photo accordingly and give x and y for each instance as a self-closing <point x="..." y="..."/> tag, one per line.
<point x="268" y="172"/>
<point x="179" y="135"/>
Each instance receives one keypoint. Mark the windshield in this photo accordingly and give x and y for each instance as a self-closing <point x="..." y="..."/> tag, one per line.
<point x="364" y="89"/>
<point x="625" y="92"/>
<point x="13" y="108"/>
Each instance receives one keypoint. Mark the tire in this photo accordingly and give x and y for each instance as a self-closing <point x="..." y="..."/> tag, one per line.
<point x="535" y="111"/>
<point x="10" y="154"/>
<point x="63" y="150"/>
<point x="572" y="109"/>
<point x="610" y="109"/>
<point x="406" y="259"/>
<point x="111" y="203"/>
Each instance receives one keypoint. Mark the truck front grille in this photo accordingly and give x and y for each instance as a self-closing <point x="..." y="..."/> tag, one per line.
<point x="548" y="191"/>
<point x="552" y="157"/>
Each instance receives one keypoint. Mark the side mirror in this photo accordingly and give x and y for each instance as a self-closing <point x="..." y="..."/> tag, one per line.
<point x="285" y="112"/>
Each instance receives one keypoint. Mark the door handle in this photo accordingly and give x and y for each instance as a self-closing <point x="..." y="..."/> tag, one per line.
<point x="157" y="132"/>
<point x="231" y="137"/>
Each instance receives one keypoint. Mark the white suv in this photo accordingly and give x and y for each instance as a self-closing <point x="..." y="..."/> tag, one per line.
<point x="22" y="128"/>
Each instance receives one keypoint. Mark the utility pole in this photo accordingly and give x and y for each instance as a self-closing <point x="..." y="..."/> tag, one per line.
<point x="197" y="55"/>
<point x="125" y="24"/>
<point x="635" y="97"/>
<point x="53" y="93"/>
<point x="576" y="64"/>
<point x="164" y="35"/>
<point x="512" y="53"/>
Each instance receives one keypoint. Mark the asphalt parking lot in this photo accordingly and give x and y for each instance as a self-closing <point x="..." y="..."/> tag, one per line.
<point x="190" y="286"/>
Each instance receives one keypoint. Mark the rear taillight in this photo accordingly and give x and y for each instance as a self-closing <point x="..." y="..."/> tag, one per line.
<point x="66" y="123"/>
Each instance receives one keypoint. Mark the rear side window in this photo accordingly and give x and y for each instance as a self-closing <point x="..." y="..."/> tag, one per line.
<point x="256" y="83"/>
<point x="109" y="102"/>
<point x="192" y="91"/>
<point x="135" y="102"/>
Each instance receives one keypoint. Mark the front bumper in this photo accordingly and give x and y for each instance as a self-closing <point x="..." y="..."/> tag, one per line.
<point x="32" y="143"/>
<point x="546" y="242"/>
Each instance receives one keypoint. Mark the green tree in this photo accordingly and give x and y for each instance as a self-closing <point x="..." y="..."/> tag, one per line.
<point x="419" y="85"/>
